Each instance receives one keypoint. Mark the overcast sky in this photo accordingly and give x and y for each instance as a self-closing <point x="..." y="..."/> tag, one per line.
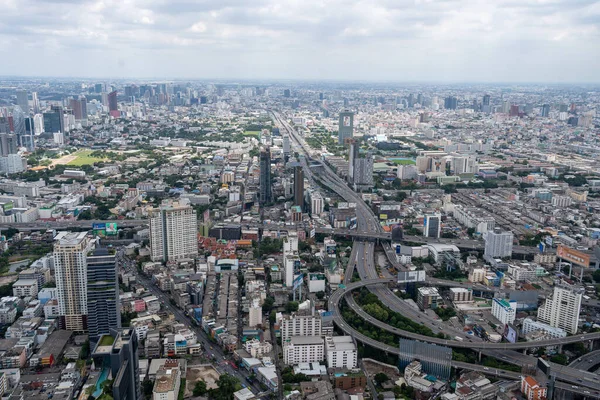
<point x="395" y="40"/>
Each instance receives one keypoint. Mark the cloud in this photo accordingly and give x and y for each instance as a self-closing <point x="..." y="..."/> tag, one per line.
<point x="402" y="40"/>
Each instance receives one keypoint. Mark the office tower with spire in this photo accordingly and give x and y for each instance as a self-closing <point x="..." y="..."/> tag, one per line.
<point x="173" y="232"/>
<point x="103" y="304"/>
<point x="70" y="271"/>
<point x="265" y="192"/>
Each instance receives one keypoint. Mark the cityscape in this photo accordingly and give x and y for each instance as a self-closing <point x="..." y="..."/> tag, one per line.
<point x="337" y="200"/>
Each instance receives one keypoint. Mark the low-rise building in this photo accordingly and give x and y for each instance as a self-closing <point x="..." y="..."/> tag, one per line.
<point x="303" y="349"/>
<point x="341" y="352"/>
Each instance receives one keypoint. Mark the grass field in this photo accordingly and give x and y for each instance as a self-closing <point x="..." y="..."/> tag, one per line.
<point x="403" y="162"/>
<point x="83" y="158"/>
<point x="252" y="133"/>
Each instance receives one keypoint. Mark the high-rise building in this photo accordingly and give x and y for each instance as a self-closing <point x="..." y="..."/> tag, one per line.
<point x="117" y="354"/>
<point x="70" y="270"/>
<point x="498" y="244"/>
<point x="102" y="294"/>
<point x="341" y="352"/>
<point x="299" y="325"/>
<point x="360" y="167"/>
<point x="286" y="93"/>
<point x="286" y="147"/>
<point x="113" y="104"/>
<point x="38" y="124"/>
<point x="562" y="310"/>
<point x="504" y="311"/>
<point x="98" y="88"/>
<point x="545" y="112"/>
<point x="54" y="120"/>
<point x="22" y="100"/>
<point x="18" y="120"/>
<point x="450" y="103"/>
<point x="346" y="126"/>
<point x="8" y="144"/>
<point x="168" y="380"/>
<point x="303" y="349"/>
<point x="173" y="232"/>
<point x="298" y="186"/>
<point x="486" y="100"/>
<point x="514" y="110"/>
<point x="436" y="360"/>
<point x="265" y="193"/>
<point x="35" y="102"/>
<point x="432" y="225"/>
<point x="28" y="139"/>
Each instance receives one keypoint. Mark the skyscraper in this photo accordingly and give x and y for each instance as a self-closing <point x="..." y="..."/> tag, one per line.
<point x="117" y="353"/>
<point x="102" y="294"/>
<point x="54" y="120"/>
<point x="451" y="103"/>
<point x="265" y="193"/>
<point x="28" y="139"/>
<point x="298" y="186"/>
<point x="346" y="126"/>
<point x="35" y="102"/>
<point x="22" y="100"/>
<point x="98" y="87"/>
<point x="486" y="100"/>
<point x="360" y="167"/>
<point x="173" y="232"/>
<point x="113" y="105"/>
<point x="545" y="110"/>
<point x="562" y="310"/>
<point x="70" y="270"/>
<point x="8" y="144"/>
<point x="498" y="244"/>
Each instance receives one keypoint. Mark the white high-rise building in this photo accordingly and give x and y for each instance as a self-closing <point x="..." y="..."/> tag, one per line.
<point x="303" y="349"/>
<point x="498" y="244"/>
<point x="70" y="270"/>
<point x="255" y="314"/>
<point x="38" y="124"/>
<point x="562" y="310"/>
<point x="299" y="325"/>
<point x="433" y="225"/>
<point x="341" y="352"/>
<point x="173" y="232"/>
<point x="317" y="204"/>
<point x="504" y="311"/>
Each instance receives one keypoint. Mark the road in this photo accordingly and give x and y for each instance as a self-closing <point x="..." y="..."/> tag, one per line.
<point x="210" y="347"/>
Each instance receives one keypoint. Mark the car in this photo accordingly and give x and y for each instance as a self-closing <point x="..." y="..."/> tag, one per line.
<point x="504" y="357"/>
<point x="575" y="387"/>
<point x="486" y="369"/>
<point x="579" y="380"/>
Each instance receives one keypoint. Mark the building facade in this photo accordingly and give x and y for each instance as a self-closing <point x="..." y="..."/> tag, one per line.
<point x="562" y="310"/>
<point x="173" y="232"/>
<point x="498" y="244"/>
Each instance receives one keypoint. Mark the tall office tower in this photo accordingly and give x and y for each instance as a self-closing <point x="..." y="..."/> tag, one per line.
<point x="28" y="139"/>
<point x="346" y="126"/>
<point x="173" y="232"/>
<point x="8" y="144"/>
<point x="75" y="105"/>
<point x="265" y="193"/>
<point x="463" y="165"/>
<point x="38" y="124"/>
<point x="18" y="118"/>
<point x="103" y="308"/>
<point x="545" y="112"/>
<point x="498" y="244"/>
<point x="411" y="100"/>
<point x="104" y="99"/>
<point x="54" y="120"/>
<point x="298" y="186"/>
<point x="117" y="354"/>
<point x="113" y="105"/>
<point x="436" y="360"/>
<point x="514" y="110"/>
<point x="35" y="102"/>
<point x="98" y="88"/>
<point x="22" y="100"/>
<point x="286" y="93"/>
<point x="70" y="270"/>
<point x="286" y="147"/>
<point x="4" y="125"/>
<point x="450" y="103"/>
<point x="562" y="310"/>
<point x="432" y="225"/>
<point x="420" y="98"/>
<point x="486" y="100"/>
<point x="360" y="167"/>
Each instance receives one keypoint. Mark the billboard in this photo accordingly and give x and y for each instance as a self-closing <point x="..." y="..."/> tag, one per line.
<point x="298" y="280"/>
<point x="99" y="229"/>
<point x="573" y="256"/>
<point x="510" y="333"/>
<point x="411" y="276"/>
<point x="111" y="228"/>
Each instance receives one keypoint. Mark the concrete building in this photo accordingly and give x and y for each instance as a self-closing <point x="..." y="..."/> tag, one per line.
<point x="70" y="270"/>
<point x="498" y="244"/>
<point x="255" y="314"/>
<point x="530" y="326"/>
<point x="25" y="288"/>
<point x="562" y="310"/>
<point x="461" y="295"/>
<point x="303" y="349"/>
<point x="504" y="311"/>
<point x="531" y="389"/>
<point x="168" y="381"/>
<point x="341" y="352"/>
<point x="299" y="325"/>
<point x="298" y="186"/>
<point x="173" y="232"/>
<point x="427" y="297"/>
<point x="103" y="302"/>
<point x="345" y="126"/>
<point x="360" y="168"/>
<point x="432" y="225"/>
<point x="265" y="192"/>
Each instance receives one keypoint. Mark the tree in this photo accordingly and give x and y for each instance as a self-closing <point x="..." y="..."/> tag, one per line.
<point x="268" y="304"/>
<point x="147" y="387"/>
<point x="596" y="276"/>
<point x="291" y="306"/>
<point x="200" y="389"/>
<point x="227" y="385"/>
<point x="320" y="295"/>
<point x="380" y="378"/>
<point x="85" y="215"/>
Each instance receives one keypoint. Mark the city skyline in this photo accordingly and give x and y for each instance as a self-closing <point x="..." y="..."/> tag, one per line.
<point x="415" y="41"/>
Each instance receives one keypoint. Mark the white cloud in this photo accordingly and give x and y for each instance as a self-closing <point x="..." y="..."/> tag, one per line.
<point x="458" y="40"/>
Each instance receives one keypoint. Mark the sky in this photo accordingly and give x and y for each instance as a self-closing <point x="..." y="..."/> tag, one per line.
<point x="553" y="41"/>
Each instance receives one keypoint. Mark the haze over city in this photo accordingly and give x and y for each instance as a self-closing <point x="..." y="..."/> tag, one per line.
<point x="549" y="41"/>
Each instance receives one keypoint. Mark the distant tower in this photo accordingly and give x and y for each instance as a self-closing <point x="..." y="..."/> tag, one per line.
<point x="113" y="105"/>
<point x="545" y="110"/>
<point x="346" y="126"/>
<point x="486" y="100"/>
<point x="22" y="100"/>
<point x="298" y="186"/>
<point x="265" y="176"/>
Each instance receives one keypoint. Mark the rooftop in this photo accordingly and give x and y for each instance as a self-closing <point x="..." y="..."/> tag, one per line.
<point x="305" y="340"/>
